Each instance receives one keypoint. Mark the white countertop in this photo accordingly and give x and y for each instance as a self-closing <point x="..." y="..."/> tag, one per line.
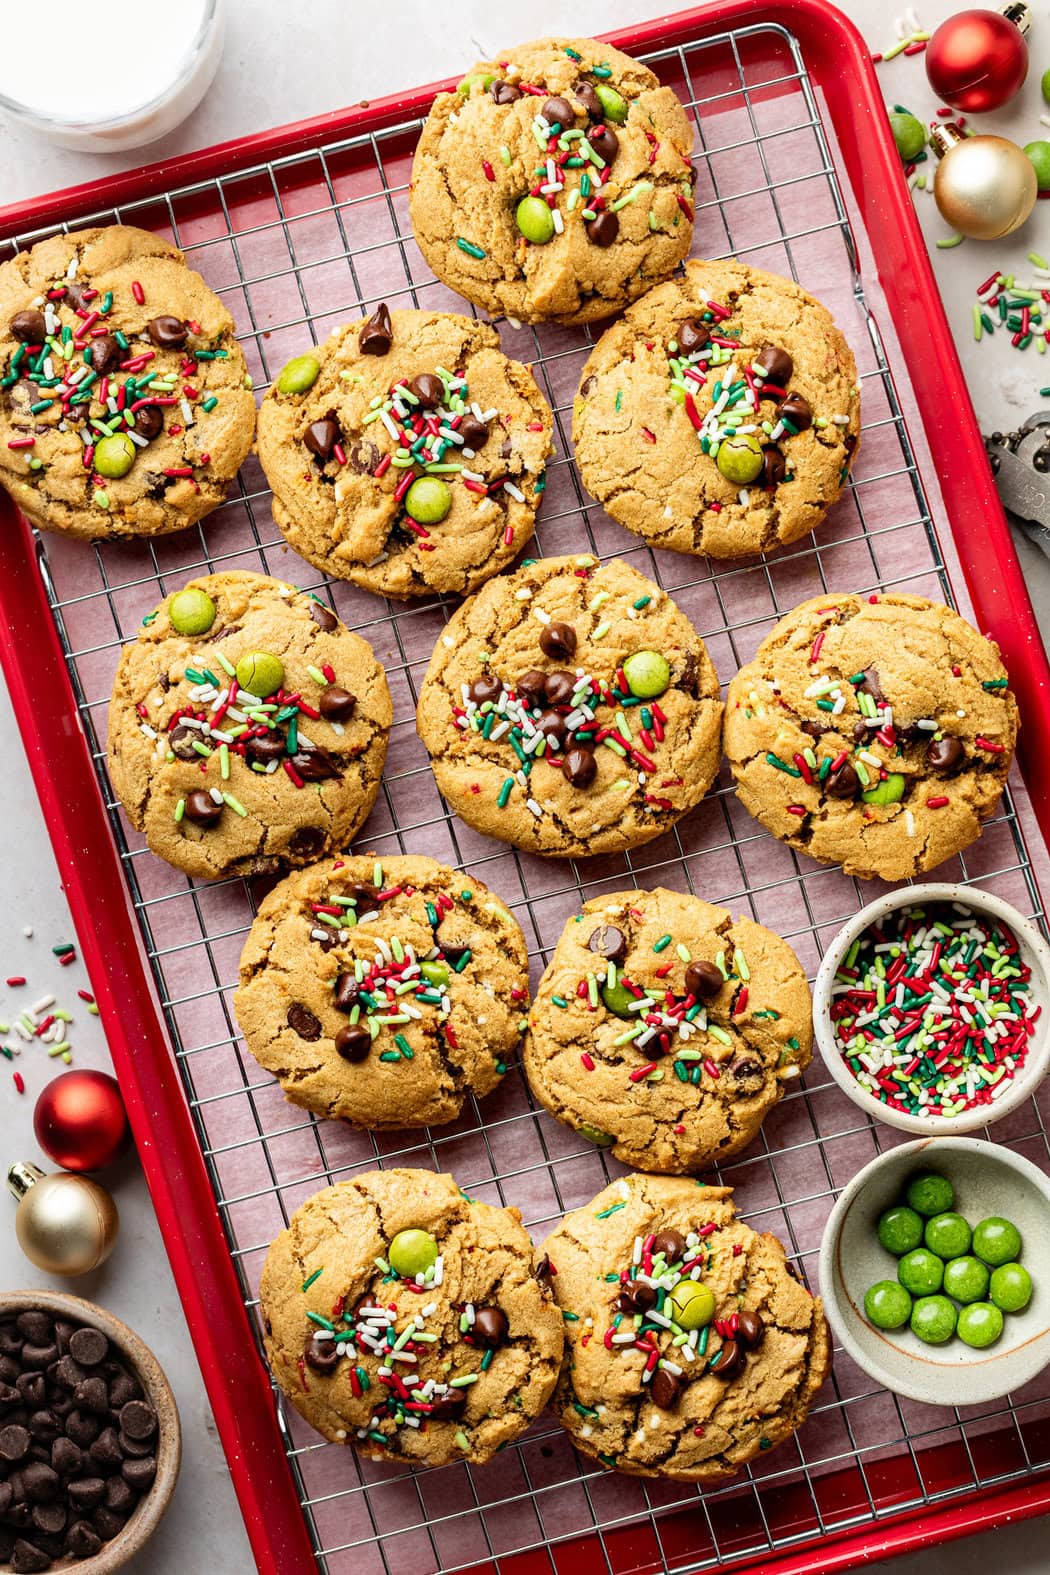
<point x="282" y="63"/>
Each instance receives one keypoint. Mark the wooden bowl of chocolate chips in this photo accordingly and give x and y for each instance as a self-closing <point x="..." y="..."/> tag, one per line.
<point x="90" y="1443"/>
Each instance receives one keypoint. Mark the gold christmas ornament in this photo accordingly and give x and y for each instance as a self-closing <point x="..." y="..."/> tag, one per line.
<point x="984" y="186"/>
<point x="65" y="1224"/>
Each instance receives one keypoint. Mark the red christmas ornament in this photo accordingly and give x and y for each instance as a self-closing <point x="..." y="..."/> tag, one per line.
<point x="80" y="1121"/>
<point x="978" y="60"/>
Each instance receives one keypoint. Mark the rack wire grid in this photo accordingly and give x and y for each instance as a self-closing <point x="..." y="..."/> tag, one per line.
<point x="296" y="246"/>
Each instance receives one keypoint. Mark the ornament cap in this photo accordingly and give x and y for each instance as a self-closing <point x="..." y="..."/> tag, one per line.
<point x="1017" y="13"/>
<point x="944" y="137"/>
<point x="22" y="1175"/>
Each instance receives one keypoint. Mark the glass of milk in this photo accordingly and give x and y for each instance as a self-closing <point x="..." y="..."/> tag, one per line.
<point x="104" y="100"/>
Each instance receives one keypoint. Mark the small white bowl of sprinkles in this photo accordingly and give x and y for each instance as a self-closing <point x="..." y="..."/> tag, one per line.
<point x="930" y="1008"/>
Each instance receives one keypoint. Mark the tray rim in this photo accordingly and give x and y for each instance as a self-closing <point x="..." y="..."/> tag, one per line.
<point x="238" y="1385"/>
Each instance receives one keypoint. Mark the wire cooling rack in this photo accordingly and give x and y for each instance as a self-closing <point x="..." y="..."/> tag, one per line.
<point x="295" y="246"/>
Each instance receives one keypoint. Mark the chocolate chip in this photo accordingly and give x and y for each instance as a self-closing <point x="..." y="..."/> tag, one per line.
<point x="119" y="1497"/>
<point x="321" y="437"/>
<point x="307" y="841"/>
<point x="428" y="389"/>
<point x="66" y="1458"/>
<point x="123" y="1388"/>
<point x="490" y="1328"/>
<point x="303" y="1022"/>
<point x="377" y="332"/>
<point x="88" y="1347"/>
<point x="29" y="327"/>
<point x="260" y="751"/>
<point x="106" y="1523"/>
<point x="587" y="98"/>
<point x="82" y="1541"/>
<point x="149" y="423"/>
<point x="40" y="1482"/>
<point x="485" y="688"/>
<point x="181" y="740"/>
<point x="945" y="755"/>
<point x="363" y="458"/>
<point x="9" y="1398"/>
<point x="105" y="354"/>
<point x="580" y="768"/>
<point x="32" y="1388"/>
<point x="139" y="1474"/>
<point x="452" y="952"/>
<point x="731" y="1360"/>
<point x="635" y="1297"/>
<point x="703" y="979"/>
<point x="49" y="1518"/>
<point x="323" y="616"/>
<point x="132" y="1448"/>
<point x="552" y="725"/>
<point x="814" y="728"/>
<point x="320" y="1354"/>
<point x="105" y="1451"/>
<point x="353" y="1042"/>
<point x="27" y="1558"/>
<point x="774" y="466"/>
<point x="531" y="687"/>
<point x="872" y="685"/>
<point x="336" y="704"/>
<point x="860" y="732"/>
<point x="138" y="1419"/>
<point x="202" y="809"/>
<point x="693" y="335"/>
<point x="746" y="1070"/>
<point x="14" y="1442"/>
<point x="447" y="1407"/>
<point x="665" y="1390"/>
<point x="842" y="783"/>
<point x="671" y="1243"/>
<point x="475" y="433"/>
<point x="36" y="1327"/>
<point x="168" y="333"/>
<point x="558" y="110"/>
<point x="39" y="1356"/>
<point x="44" y="1427"/>
<point x="92" y="1395"/>
<point x="587" y="386"/>
<point x="542" y="1272"/>
<point x="315" y="764"/>
<point x="775" y="365"/>
<point x="559" y="687"/>
<point x="609" y="942"/>
<point x="504" y="92"/>
<point x="87" y="1492"/>
<point x="558" y="641"/>
<point x="346" y="992"/>
<point x="796" y="409"/>
<point x="751" y="1329"/>
<point x="603" y="228"/>
<point x="365" y="896"/>
<point x="606" y="144"/>
<point x="83" y="1430"/>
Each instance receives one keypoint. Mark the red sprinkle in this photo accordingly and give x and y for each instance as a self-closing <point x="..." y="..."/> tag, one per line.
<point x="140" y="295"/>
<point x="642" y="1071"/>
<point x="490" y="173"/>
<point x="937" y="803"/>
<point x="587" y="1060"/>
<point x="19" y="1082"/>
<point x="16" y="978"/>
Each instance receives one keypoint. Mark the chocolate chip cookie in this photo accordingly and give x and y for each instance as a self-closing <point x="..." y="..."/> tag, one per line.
<point x="125" y="403"/>
<point x="405" y="1319"/>
<point x="666" y="1030"/>
<point x="875" y="732"/>
<point x="406" y="453"/>
<point x="571" y="708"/>
<point x="555" y="184"/>
<point x="383" y="993"/>
<point x="720" y="414"/>
<point x="247" y="728"/>
<point x="691" y="1346"/>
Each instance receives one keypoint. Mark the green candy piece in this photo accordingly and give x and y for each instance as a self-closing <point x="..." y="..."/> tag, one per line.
<point x="412" y="1252"/>
<point x="191" y="611"/>
<point x="648" y="674"/>
<point x="887" y="1305"/>
<point x="891" y="791"/>
<point x="535" y="220"/>
<point x="929" y="1194"/>
<point x="482" y="80"/>
<point x="299" y="374"/>
<point x="996" y="1241"/>
<point x="260" y="674"/>
<point x="980" y="1324"/>
<point x="899" y="1230"/>
<point x="619" y="1000"/>
<point x="690" y="1304"/>
<point x="933" y="1319"/>
<point x="739" y="458"/>
<point x="114" y="456"/>
<point x="428" y="500"/>
<point x="948" y="1235"/>
<point x="614" y="105"/>
<point x="435" y="972"/>
<point x="1039" y="154"/>
<point x="595" y="1135"/>
<point x="1044" y="85"/>
<point x="1011" y="1287"/>
<point x="908" y="133"/>
<point x="921" y="1272"/>
<point x="966" y="1279"/>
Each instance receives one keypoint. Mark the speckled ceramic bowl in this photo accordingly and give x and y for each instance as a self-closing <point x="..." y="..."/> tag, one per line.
<point x="148" y="1512"/>
<point x="1036" y="954"/>
<point x="988" y="1179"/>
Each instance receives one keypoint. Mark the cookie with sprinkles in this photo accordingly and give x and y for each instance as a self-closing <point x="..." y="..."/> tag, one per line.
<point x="384" y="993"/>
<point x="125" y="403"/>
<point x="571" y="708"/>
<point x="875" y="732"/>
<point x="720" y="414"/>
<point x="405" y="1319"/>
<point x="691" y="1345"/>
<point x="667" y="1030"/>
<point x="555" y="184"/>
<point x="247" y="727"/>
<point x="407" y="453"/>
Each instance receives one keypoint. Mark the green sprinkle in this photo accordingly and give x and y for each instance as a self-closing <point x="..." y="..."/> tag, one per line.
<point x="643" y="601"/>
<point x="323" y="1323"/>
<point x="461" y="1439"/>
<point x="180" y="810"/>
<point x="235" y="804"/>
<point x="662" y="943"/>
<point x="476" y="251"/>
<point x="947" y="242"/>
<point x="504" y="154"/>
<point x="316" y="1275"/>
<point x="615" y="1208"/>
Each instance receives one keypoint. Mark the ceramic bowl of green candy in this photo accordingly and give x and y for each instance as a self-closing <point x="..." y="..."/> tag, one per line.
<point x="932" y="1270"/>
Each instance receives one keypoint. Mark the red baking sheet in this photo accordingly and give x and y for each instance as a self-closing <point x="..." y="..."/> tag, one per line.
<point x="301" y="228"/>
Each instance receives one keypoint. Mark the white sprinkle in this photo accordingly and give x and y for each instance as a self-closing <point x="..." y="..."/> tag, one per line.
<point x="531" y="804"/>
<point x="187" y="413"/>
<point x="42" y="1005"/>
<point x="515" y="492"/>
